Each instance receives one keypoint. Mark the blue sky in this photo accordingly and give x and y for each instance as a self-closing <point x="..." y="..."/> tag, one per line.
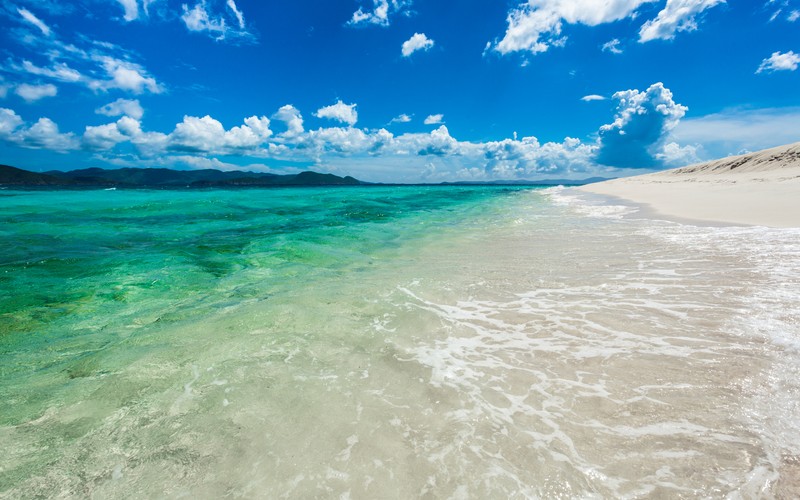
<point x="397" y="90"/>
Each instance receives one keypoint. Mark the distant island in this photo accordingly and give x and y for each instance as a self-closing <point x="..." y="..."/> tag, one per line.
<point x="165" y="178"/>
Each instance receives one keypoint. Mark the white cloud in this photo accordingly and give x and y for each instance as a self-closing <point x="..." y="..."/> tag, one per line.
<point x="96" y="64"/>
<point x="44" y="134"/>
<point x="380" y="13"/>
<point x="103" y="137"/>
<point x="201" y="18"/>
<point x="536" y="25"/>
<point x="249" y="136"/>
<point x="612" y="46"/>
<point x="345" y="113"/>
<point x="516" y="159"/>
<point x="149" y="144"/>
<point x="198" y="19"/>
<point x="197" y="134"/>
<point x="131" y="9"/>
<point x="434" y="119"/>
<point x="32" y="93"/>
<point x="592" y="97"/>
<point x="647" y="132"/>
<point x="677" y="15"/>
<point x="126" y="75"/>
<point x="207" y="135"/>
<point x="259" y="125"/>
<point x="292" y="118"/>
<point x="194" y="135"/>
<point x="340" y="141"/>
<point x="675" y="155"/>
<point x="418" y="41"/>
<point x="122" y="74"/>
<point x="9" y="122"/>
<point x="404" y="118"/>
<point x="122" y="107"/>
<point x="59" y="71"/>
<point x="29" y="17"/>
<point x="438" y="142"/>
<point x="640" y="128"/>
<point x="236" y="12"/>
<point x="793" y="16"/>
<point x="780" y="62"/>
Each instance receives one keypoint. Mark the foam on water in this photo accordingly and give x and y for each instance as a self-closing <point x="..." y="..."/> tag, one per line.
<point x="460" y="343"/>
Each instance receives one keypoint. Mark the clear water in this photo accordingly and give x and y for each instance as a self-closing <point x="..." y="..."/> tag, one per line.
<point x="459" y="342"/>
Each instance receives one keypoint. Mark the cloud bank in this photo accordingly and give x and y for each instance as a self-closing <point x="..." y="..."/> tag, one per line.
<point x="638" y="137"/>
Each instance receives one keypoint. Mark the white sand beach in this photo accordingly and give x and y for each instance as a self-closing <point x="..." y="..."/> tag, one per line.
<point x="761" y="189"/>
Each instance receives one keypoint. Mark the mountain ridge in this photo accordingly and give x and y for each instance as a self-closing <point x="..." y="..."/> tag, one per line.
<point x="165" y="178"/>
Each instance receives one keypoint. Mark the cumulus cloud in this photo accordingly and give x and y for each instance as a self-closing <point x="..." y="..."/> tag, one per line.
<point x="677" y="15"/>
<point x="418" y="41"/>
<point x="519" y="159"/>
<point x="43" y="134"/>
<point x="434" y="119"/>
<point x="612" y="46"/>
<point x="196" y="135"/>
<point x="380" y="12"/>
<point x="640" y="127"/>
<point x="675" y="155"/>
<point x="345" y="113"/>
<point x="103" y="137"/>
<point x="404" y="118"/>
<point x="536" y="25"/>
<point x="207" y="135"/>
<point x="292" y="118"/>
<point x="29" y="17"/>
<point x="32" y="93"/>
<point x="592" y="97"/>
<point x="149" y="144"/>
<point x="122" y="107"/>
<point x="9" y="121"/>
<point x="643" y="119"/>
<point x="438" y="142"/>
<point x="202" y="18"/>
<point x="779" y="62"/>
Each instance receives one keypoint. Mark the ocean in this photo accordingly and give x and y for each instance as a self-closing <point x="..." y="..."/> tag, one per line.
<point x="391" y="342"/>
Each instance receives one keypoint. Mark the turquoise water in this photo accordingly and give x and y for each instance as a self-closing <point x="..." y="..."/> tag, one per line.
<point x="464" y="342"/>
<point x="83" y="271"/>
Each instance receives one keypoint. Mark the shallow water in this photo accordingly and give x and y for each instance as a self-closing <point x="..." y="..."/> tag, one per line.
<point x="461" y="342"/>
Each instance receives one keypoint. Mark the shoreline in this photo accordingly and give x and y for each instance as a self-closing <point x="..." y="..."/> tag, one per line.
<point x="757" y="189"/>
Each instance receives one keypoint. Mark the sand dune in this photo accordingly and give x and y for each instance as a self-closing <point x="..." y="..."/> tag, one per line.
<point x="761" y="188"/>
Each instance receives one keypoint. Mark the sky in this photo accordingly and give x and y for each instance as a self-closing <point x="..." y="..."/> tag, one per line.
<point x="397" y="90"/>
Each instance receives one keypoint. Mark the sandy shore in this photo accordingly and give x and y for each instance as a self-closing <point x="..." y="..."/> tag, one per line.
<point x="761" y="188"/>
